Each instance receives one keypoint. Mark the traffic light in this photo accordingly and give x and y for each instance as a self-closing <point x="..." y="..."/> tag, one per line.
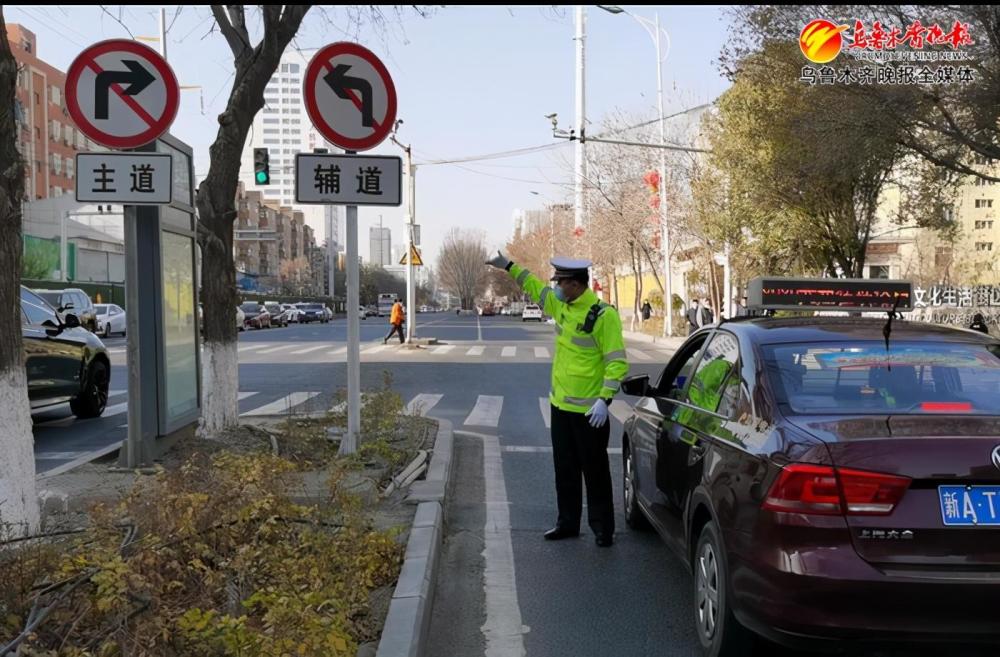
<point x="261" y="166"/>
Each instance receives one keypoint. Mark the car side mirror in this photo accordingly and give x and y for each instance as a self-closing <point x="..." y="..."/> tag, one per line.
<point x="72" y="321"/>
<point x="636" y="385"/>
<point x="68" y="306"/>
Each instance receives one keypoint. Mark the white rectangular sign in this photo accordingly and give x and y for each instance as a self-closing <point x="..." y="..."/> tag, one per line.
<point x="348" y="179"/>
<point x="128" y="178"/>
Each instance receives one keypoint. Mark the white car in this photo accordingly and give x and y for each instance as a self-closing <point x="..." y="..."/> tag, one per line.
<point x="241" y="318"/>
<point x="291" y="312"/>
<point x="531" y="311"/>
<point x="362" y="312"/>
<point x="110" y="319"/>
<point x="423" y="309"/>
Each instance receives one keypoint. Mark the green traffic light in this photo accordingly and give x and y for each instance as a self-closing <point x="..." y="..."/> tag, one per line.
<point x="261" y="177"/>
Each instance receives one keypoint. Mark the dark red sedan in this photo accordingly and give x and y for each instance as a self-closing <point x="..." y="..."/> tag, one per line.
<point x="827" y="480"/>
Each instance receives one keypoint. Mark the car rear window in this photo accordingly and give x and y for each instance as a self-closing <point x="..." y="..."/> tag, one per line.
<point x="250" y="307"/>
<point x="311" y="306"/>
<point x="864" y="377"/>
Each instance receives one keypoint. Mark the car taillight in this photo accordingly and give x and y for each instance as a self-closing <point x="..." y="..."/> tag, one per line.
<point x="824" y="490"/>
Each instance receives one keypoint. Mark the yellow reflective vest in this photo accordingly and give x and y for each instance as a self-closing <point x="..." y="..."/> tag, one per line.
<point x="587" y="366"/>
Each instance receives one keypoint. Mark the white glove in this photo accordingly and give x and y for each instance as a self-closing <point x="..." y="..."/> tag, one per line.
<point x="598" y="414"/>
<point x="500" y="261"/>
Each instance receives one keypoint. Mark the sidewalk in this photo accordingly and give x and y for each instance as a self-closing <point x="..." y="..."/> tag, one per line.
<point x="670" y="343"/>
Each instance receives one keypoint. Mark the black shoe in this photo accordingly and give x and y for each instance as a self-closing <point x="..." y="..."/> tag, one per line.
<point x="604" y="540"/>
<point x="385" y="340"/>
<point x="558" y="533"/>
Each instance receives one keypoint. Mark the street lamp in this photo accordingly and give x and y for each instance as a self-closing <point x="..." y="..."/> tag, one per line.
<point x="652" y="28"/>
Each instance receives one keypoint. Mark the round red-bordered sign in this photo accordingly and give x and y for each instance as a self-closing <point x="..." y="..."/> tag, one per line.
<point x="340" y="58"/>
<point x="156" y="110"/>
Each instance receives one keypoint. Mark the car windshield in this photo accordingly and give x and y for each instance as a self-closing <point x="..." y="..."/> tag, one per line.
<point x="311" y="306"/>
<point x="272" y="307"/>
<point x="101" y="309"/>
<point x="250" y="307"/>
<point x="51" y="297"/>
<point x="863" y="377"/>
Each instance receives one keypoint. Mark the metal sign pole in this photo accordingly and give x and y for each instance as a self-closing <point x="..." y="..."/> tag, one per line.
<point x="410" y="219"/>
<point x="350" y="442"/>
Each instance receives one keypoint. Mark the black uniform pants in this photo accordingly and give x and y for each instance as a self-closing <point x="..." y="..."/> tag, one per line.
<point x="396" y="328"/>
<point x="578" y="450"/>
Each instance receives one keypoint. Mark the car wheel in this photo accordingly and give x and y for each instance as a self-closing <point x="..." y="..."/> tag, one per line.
<point x="94" y="397"/>
<point x="719" y="633"/>
<point x="107" y="331"/>
<point x="634" y="516"/>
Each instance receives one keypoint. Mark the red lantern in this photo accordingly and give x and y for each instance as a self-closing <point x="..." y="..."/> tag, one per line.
<point x="578" y="231"/>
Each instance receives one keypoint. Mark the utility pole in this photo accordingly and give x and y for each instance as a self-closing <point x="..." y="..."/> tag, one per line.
<point x="581" y="119"/>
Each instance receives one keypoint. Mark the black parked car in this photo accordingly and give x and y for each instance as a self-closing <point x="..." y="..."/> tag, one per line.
<point x="72" y="301"/>
<point x="825" y="479"/>
<point x="64" y="362"/>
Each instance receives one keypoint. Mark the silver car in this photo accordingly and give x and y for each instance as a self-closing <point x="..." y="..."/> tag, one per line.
<point x="110" y="319"/>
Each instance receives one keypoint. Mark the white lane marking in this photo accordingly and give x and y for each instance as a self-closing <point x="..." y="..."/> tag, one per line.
<point x="109" y="411"/>
<point x="309" y="349"/>
<point x="442" y="349"/>
<point x="374" y="350"/>
<point x="115" y="393"/>
<point x="251" y="347"/>
<point x="480" y="327"/>
<point x="422" y="404"/>
<point x="503" y="629"/>
<point x="541" y="352"/>
<point x="281" y="406"/>
<point x="486" y="412"/>
<point x="244" y="395"/>
<point x="116" y="351"/>
<point x="620" y="410"/>
<point x="508" y="352"/>
<point x="337" y="352"/>
<point x="635" y="354"/>
<point x="280" y="347"/>
<point x="475" y="351"/>
<point x="543" y="449"/>
<point x="85" y="458"/>
<point x="546" y="407"/>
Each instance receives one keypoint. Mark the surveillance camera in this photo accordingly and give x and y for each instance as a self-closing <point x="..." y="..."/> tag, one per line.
<point x="551" y="116"/>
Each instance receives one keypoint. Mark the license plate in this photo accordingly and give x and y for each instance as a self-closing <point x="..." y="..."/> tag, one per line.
<point x="968" y="506"/>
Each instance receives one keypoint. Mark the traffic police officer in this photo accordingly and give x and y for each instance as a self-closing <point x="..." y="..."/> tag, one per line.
<point x="587" y="372"/>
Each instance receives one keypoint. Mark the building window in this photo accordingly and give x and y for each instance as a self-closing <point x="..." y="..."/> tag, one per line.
<point x="56" y="96"/>
<point x="69" y="167"/>
<point x="271" y="121"/>
<point x="38" y="132"/>
<point x="271" y="141"/>
<point x="293" y="68"/>
<point x="38" y="99"/>
<point x="271" y="131"/>
<point x="984" y="203"/>
<point x="878" y="271"/>
<point x="984" y="246"/>
<point x="984" y="225"/>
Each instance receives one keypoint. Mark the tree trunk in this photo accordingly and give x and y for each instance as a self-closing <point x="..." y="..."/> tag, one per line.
<point x="635" y="274"/>
<point x="18" y="501"/>
<point x="217" y="200"/>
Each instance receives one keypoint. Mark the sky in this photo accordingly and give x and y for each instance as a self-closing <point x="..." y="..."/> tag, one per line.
<point x="470" y="81"/>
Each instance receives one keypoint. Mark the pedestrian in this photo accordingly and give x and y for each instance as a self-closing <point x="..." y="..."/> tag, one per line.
<point x="741" y="308"/>
<point x="979" y="324"/>
<point x="396" y="318"/>
<point x="587" y="372"/>
<point x="647" y="310"/>
<point x="693" y="314"/>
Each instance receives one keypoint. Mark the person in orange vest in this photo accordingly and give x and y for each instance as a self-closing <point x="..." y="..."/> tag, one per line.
<point x="396" y="318"/>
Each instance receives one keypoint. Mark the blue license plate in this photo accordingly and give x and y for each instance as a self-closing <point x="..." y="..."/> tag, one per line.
<point x="970" y="506"/>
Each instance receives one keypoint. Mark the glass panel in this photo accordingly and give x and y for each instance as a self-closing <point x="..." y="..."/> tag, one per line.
<point x="179" y="317"/>
<point x="181" y="172"/>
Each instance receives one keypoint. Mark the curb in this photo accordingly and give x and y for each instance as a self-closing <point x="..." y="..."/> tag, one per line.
<point x="407" y="624"/>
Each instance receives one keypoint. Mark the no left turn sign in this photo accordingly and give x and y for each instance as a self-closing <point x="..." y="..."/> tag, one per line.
<point x="349" y="96"/>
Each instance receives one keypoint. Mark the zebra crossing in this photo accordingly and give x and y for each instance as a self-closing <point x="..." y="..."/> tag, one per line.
<point x="291" y="352"/>
<point x="486" y="410"/>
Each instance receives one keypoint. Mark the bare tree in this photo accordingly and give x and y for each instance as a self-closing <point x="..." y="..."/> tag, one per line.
<point x="18" y="501"/>
<point x="254" y="66"/>
<point x="462" y="265"/>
